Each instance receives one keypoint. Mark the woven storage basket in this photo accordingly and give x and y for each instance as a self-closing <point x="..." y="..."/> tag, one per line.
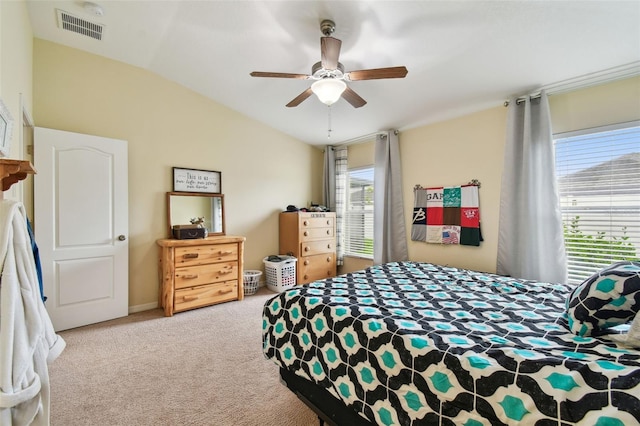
<point x="251" y="281"/>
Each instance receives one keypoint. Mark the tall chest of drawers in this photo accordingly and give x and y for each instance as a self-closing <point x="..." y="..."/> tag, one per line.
<point x="311" y="238"/>
<point x="200" y="272"/>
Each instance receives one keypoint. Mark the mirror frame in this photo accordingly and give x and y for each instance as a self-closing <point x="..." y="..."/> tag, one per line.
<point x="194" y="194"/>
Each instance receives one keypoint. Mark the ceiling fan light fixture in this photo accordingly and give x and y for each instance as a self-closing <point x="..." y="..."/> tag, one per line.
<point x="328" y="90"/>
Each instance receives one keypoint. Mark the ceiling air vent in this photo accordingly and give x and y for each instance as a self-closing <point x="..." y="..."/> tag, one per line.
<point x="69" y="22"/>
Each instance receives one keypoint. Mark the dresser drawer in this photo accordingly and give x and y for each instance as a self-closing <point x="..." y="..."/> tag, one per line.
<point x="201" y="255"/>
<point x="316" y="222"/>
<point x="203" y="295"/>
<point x="204" y="274"/>
<point x="320" y="266"/>
<point x="310" y="234"/>
<point x="316" y="247"/>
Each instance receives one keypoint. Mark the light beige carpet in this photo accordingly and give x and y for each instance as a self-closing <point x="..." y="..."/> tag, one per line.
<point x="200" y="367"/>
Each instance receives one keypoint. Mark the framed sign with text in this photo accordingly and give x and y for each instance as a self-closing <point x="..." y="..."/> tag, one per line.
<point x="193" y="180"/>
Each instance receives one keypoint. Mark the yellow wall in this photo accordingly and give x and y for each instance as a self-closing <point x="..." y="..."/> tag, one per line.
<point x="16" y="54"/>
<point x="616" y="102"/>
<point x="168" y="125"/>
<point x="452" y="153"/>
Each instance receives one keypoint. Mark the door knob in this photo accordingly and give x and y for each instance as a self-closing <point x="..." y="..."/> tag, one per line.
<point x="121" y="237"/>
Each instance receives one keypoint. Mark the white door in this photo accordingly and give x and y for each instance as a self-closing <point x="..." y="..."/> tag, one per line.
<point x="81" y="226"/>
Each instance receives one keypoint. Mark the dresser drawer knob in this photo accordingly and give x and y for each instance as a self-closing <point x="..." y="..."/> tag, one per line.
<point x="328" y="246"/>
<point x="307" y="248"/>
<point x="328" y="232"/>
<point x="190" y="277"/>
<point x="328" y="259"/>
<point x="190" y="256"/>
<point x="306" y="262"/>
<point x="306" y="234"/>
<point x="306" y="277"/>
<point x="305" y="223"/>
<point x="328" y="222"/>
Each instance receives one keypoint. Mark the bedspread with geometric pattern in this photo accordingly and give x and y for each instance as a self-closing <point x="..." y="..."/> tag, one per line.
<point x="412" y="343"/>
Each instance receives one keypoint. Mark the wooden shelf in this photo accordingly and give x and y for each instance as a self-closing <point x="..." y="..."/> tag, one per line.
<point x="12" y="171"/>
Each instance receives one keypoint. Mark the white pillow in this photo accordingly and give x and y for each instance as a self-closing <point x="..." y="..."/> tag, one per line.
<point x="630" y="338"/>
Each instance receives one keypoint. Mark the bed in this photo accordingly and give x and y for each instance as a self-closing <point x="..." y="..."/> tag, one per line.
<point x="409" y="343"/>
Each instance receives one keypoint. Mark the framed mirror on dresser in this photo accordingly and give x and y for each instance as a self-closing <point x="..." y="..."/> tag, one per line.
<point x="184" y="206"/>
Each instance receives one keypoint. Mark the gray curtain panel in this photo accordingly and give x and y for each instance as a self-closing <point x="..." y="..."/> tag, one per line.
<point x="390" y="237"/>
<point x="530" y="237"/>
<point x="334" y="195"/>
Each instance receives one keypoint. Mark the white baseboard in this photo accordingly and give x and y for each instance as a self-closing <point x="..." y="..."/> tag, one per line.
<point x="145" y="307"/>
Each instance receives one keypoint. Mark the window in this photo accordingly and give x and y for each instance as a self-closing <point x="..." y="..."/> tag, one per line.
<point x="598" y="177"/>
<point x="359" y="213"/>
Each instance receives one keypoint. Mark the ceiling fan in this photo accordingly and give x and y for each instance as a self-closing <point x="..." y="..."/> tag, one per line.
<point x="329" y="74"/>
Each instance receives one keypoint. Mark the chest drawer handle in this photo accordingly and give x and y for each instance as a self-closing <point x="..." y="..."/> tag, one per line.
<point x="190" y="298"/>
<point x="190" y="277"/>
<point x="225" y="253"/>
<point x="190" y="256"/>
<point x="225" y="272"/>
<point x="229" y="290"/>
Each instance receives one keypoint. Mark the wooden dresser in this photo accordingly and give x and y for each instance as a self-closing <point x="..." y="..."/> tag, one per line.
<point x="310" y="237"/>
<point x="200" y="272"/>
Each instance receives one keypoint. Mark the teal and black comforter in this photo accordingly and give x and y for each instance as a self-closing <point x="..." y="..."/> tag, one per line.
<point x="415" y="343"/>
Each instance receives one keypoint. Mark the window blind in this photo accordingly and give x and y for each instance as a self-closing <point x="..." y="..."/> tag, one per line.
<point x="359" y="213"/>
<point x="598" y="178"/>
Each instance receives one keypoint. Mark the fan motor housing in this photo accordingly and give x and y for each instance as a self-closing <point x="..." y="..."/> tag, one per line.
<point x="317" y="72"/>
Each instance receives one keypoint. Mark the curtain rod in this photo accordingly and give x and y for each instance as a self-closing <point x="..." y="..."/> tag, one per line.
<point x="586" y="80"/>
<point x="362" y="139"/>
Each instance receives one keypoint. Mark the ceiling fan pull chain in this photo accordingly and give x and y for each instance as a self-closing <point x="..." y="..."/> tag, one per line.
<point x="329" y="124"/>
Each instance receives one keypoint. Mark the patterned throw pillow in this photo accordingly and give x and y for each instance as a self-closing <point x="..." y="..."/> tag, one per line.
<point x="606" y="299"/>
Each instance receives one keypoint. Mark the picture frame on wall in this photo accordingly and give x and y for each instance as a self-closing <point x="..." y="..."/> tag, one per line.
<point x="195" y="180"/>
<point x="6" y="127"/>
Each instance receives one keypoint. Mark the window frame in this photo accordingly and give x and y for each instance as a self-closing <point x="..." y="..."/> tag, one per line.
<point x="361" y="250"/>
<point x="577" y="269"/>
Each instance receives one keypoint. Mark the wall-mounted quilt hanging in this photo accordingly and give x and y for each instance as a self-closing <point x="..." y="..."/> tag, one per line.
<point x="447" y="215"/>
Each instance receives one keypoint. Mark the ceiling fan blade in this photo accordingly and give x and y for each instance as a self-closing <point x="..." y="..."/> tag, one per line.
<point x="330" y="52"/>
<point x="301" y="97"/>
<point x="353" y="98"/>
<point x="377" y="73"/>
<point x="279" y="75"/>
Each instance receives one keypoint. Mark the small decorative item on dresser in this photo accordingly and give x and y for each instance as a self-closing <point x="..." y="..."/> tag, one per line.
<point x="251" y="282"/>
<point x="188" y="232"/>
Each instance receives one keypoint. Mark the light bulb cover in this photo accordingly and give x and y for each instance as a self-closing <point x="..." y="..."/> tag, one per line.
<point x="328" y="90"/>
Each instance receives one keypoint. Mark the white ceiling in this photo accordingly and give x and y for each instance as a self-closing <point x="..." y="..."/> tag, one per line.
<point x="462" y="56"/>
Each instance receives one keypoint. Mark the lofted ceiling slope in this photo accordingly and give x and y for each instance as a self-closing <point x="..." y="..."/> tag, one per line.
<point x="462" y="56"/>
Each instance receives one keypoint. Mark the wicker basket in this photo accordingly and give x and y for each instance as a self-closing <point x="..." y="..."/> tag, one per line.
<point x="251" y="282"/>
